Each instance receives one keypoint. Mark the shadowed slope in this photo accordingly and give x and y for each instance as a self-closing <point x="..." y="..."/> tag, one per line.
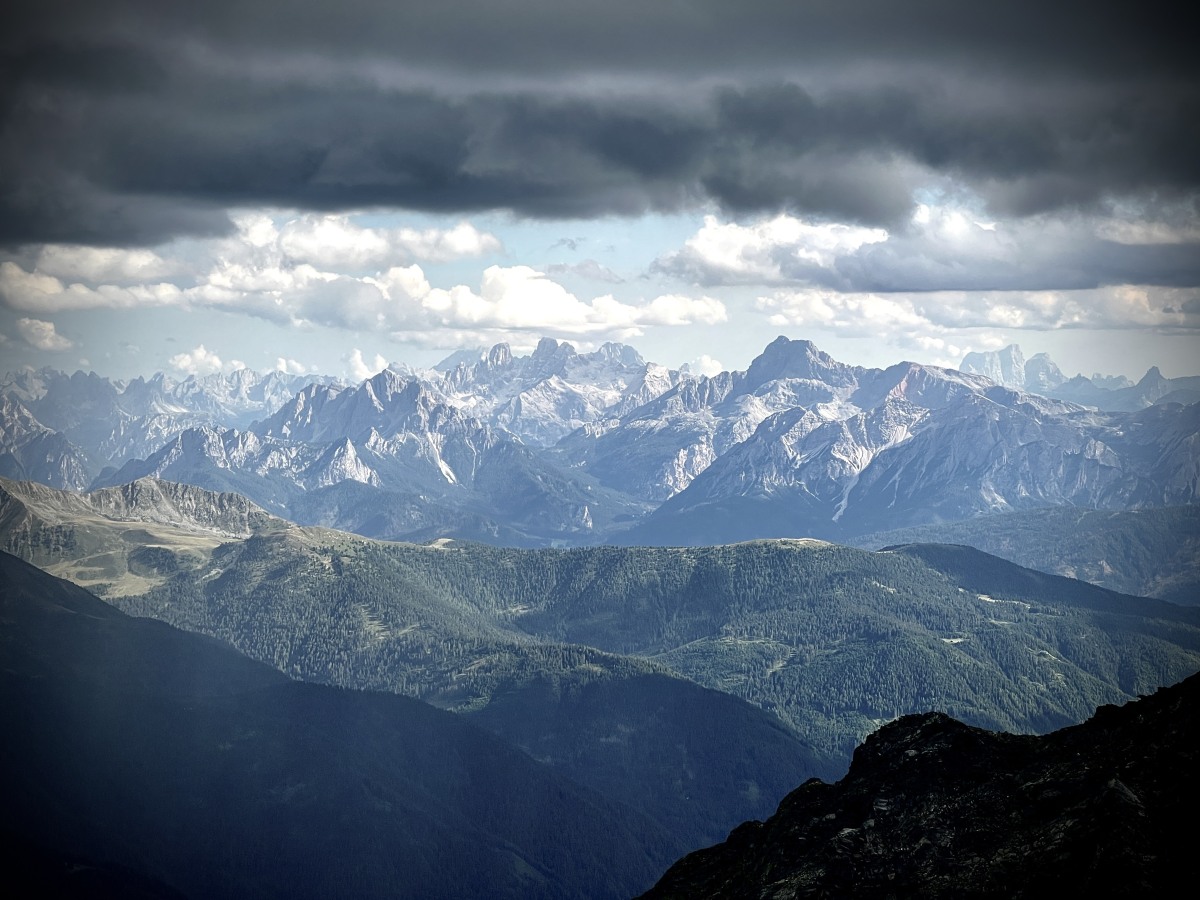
<point x="169" y="754"/>
<point x="935" y="808"/>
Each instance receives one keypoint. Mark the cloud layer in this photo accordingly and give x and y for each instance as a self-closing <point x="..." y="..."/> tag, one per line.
<point x="946" y="271"/>
<point x="317" y="271"/>
<point x="864" y="166"/>
<point x="134" y="121"/>
<point x="942" y="247"/>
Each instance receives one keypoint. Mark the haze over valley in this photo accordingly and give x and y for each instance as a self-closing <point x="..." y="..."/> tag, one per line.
<point x="759" y="657"/>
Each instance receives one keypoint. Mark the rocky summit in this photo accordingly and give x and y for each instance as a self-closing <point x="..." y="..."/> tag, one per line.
<point x="935" y="808"/>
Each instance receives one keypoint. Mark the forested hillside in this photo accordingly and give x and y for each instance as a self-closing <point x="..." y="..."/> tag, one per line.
<point x="1148" y="552"/>
<point x="693" y="684"/>
<point x="164" y="754"/>
<point x="832" y="640"/>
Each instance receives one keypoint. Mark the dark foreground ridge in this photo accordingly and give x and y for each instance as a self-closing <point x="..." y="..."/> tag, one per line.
<point x="935" y="808"/>
<point x="155" y="763"/>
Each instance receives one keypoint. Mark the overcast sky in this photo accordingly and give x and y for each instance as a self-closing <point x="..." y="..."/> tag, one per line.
<point x="323" y="186"/>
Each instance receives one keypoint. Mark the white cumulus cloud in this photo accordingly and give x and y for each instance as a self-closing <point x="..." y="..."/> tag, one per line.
<point x="289" y="366"/>
<point x="765" y="252"/>
<point x="198" y="361"/>
<point x="103" y="264"/>
<point x="42" y="335"/>
<point x="361" y="369"/>
<point x="337" y="242"/>
<point x="38" y="292"/>
<point x="259" y="282"/>
<point x="254" y="270"/>
<point x="438" y="245"/>
<point x="705" y="365"/>
<point x="521" y="298"/>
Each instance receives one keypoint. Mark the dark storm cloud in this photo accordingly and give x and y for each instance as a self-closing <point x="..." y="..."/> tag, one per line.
<point x="692" y="37"/>
<point x="131" y="122"/>
<point x="1029" y="263"/>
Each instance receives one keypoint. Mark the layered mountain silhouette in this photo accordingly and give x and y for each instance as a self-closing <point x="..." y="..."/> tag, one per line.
<point x="1145" y="552"/>
<point x="568" y="448"/>
<point x="432" y="622"/>
<point x="827" y="641"/>
<point x="1040" y="375"/>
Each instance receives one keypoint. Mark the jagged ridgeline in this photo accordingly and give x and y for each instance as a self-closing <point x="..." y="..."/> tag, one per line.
<point x="562" y="448"/>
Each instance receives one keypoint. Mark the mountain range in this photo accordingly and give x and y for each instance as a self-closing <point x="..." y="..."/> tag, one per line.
<point x="1039" y="375"/>
<point x="562" y="448"/>
<point x="537" y="626"/>
<point x="639" y="702"/>
<point x="869" y="450"/>
<point x="332" y="608"/>
<point x="65" y="430"/>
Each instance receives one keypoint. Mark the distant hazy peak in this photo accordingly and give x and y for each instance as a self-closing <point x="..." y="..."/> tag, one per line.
<point x="1152" y="376"/>
<point x="1041" y="373"/>
<point x="785" y="358"/>
<point x="619" y="353"/>
<point x="548" y="346"/>
<point x="1006" y="367"/>
<point x="467" y="357"/>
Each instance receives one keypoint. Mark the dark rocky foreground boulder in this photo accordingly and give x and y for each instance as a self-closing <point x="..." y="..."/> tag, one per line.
<point x="935" y="808"/>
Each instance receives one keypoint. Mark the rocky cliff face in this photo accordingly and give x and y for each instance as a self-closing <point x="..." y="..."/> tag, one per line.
<point x="1006" y="367"/>
<point x="934" y="808"/>
<point x="918" y="444"/>
<point x="388" y="458"/>
<point x="31" y="451"/>
<point x="145" y="500"/>
<point x="545" y="396"/>
<point x="657" y="450"/>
